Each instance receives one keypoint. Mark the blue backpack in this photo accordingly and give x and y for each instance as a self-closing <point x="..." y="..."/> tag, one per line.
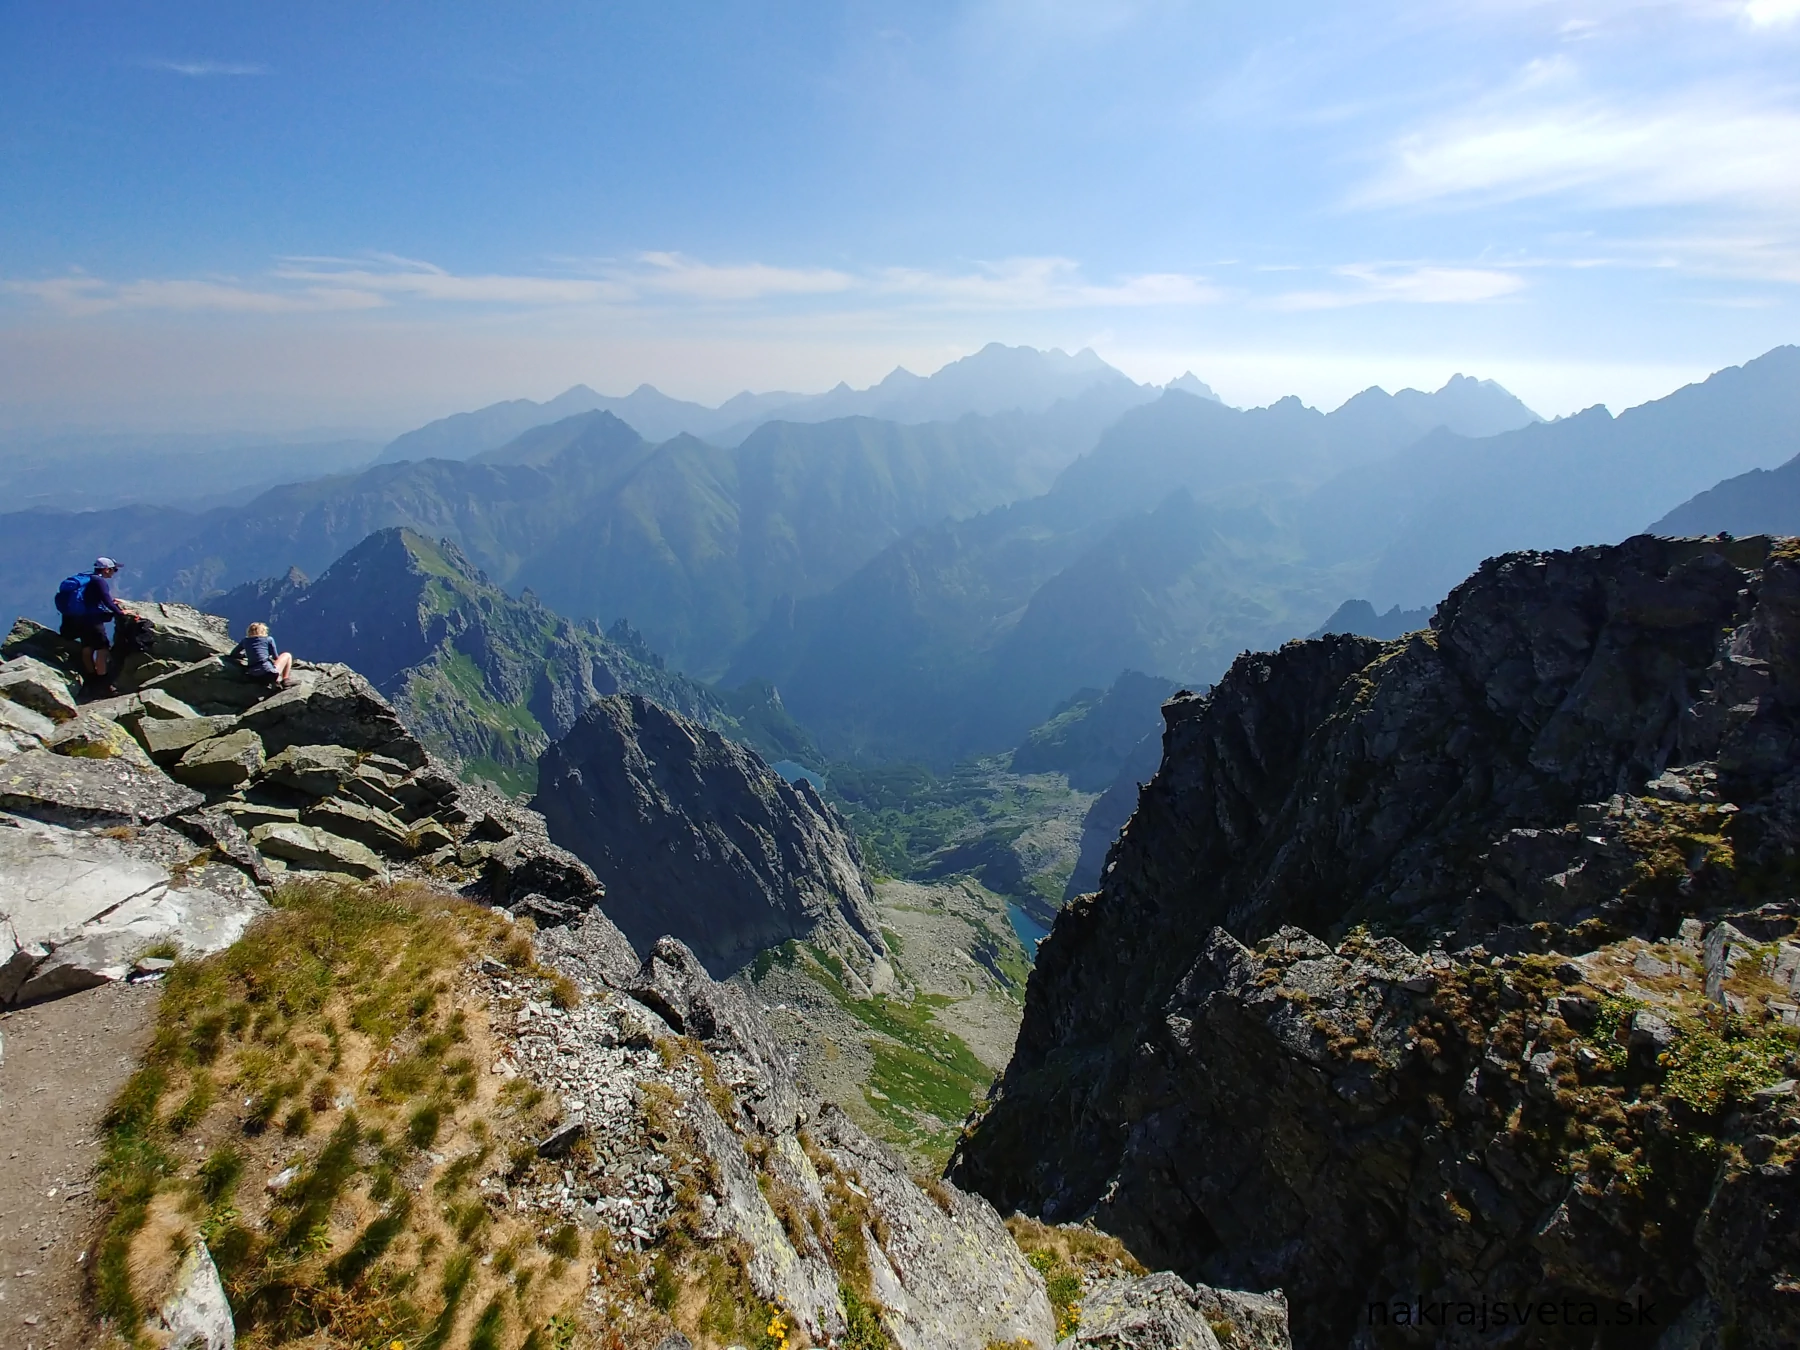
<point x="71" y="596"/>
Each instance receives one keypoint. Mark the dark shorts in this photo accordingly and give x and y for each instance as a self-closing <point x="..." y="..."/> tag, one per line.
<point x="266" y="674"/>
<point x="88" y="632"/>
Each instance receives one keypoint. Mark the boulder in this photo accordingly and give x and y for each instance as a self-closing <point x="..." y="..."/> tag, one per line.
<point x="16" y="742"/>
<point x="130" y="709"/>
<point x="1154" y="1312"/>
<point x="316" y="850"/>
<point x="78" y="908"/>
<point x="251" y="814"/>
<point x="228" y="836"/>
<point x="339" y="708"/>
<point x="222" y="762"/>
<point x="91" y="736"/>
<point x="316" y="770"/>
<point x="430" y="835"/>
<point x="213" y="685"/>
<point x="30" y="638"/>
<point x="90" y="791"/>
<point x="168" y="738"/>
<point x="353" y="820"/>
<point x="43" y="689"/>
<point x="197" y="1315"/>
<point x="181" y="632"/>
<point x="18" y="718"/>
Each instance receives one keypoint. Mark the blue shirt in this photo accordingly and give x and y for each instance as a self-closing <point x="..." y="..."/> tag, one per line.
<point x="258" y="653"/>
<point x="97" y="596"/>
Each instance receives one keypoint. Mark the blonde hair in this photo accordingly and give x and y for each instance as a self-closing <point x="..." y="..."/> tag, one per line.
<point x="257" y="630"/>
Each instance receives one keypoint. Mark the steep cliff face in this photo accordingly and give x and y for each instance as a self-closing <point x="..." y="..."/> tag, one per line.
<point x="696" y="836"/>
<point x="1563" y="809"/>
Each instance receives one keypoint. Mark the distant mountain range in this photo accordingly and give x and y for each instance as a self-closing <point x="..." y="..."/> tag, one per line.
<point x="931" y="589"/>
<point x="1194" y="531"/>
<point x="996" y="379"/>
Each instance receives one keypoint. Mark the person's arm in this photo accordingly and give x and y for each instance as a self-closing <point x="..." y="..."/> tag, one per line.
<point x="237" y="652"/>
<point x="106" y="603"/>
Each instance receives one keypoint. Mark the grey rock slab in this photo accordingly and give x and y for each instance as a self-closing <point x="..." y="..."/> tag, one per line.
<point x="77" y="909"/>
<point x="167" y="739"/>
<point x="1154" y="1312"/>
<point x="353" y="820"/>
<point x="128" y="709"/>
<point x="335" y="707"/>
<point x="213" y="685"/>
<point x="183" y="633"/>
<point x="90" y="791"/>
<point x="197" y="1315"/>
<point x="228" y="835"/>
<point x="91" y="736"/>
<point x="251" y="814"/>
<point x="26" y="721"/>
<point x="223" y="762"/>
<point x="316" y="850"/>
<point x="317" y="770"/>
<point x="42" y="688"/>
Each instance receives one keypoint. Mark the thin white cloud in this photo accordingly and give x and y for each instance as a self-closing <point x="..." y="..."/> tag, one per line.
<point x="84" y="295"/>
<point x="196" y="70"/>
<point x="1719" y="146"/>
<point x="1769" y="13"/>
<point x="1043" y="283"/>
<point x="407" y="278"/>
<point x="661" y="279"/>
<point x="674" y="274"/>
<point x="1373" y="285"/>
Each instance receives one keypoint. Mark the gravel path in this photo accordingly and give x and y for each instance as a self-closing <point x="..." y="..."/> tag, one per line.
<point x="63" y="1062"/>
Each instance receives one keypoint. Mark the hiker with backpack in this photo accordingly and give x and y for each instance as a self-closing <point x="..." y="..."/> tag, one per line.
<point x="87" y="604"/>
<point x="261" y="660"/>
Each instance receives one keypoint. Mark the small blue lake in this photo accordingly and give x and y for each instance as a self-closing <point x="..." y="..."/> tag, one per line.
<point x="792" y="770"/>
<point x="1030" y="931"/>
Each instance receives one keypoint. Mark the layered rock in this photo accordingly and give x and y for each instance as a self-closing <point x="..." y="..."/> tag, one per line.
<point x="145" y="821"/>
<point x="1546" y="1080"/>
<point x="693" y="835"/>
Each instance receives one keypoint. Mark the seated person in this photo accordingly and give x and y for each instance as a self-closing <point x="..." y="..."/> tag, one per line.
<point x="85" y="620"/>
<point x="261" y="660"/>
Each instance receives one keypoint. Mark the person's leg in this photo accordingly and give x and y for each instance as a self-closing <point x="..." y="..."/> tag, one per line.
<point x="284" y="665"/>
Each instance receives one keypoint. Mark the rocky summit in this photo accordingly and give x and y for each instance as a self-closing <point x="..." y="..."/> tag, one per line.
<point x="694" y="835"/>
<point x="1452" y="980"/>
<point x="151" y="822"/>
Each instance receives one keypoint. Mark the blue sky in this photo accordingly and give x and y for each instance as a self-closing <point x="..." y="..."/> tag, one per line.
<point x="334" y="214"/>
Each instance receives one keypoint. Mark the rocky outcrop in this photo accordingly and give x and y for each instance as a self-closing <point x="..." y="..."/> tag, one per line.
<point x="714" y="1147"/>
<point x="1564" y="808"/>
<point x="693" y="835"/>
<point x="146" y="821"/>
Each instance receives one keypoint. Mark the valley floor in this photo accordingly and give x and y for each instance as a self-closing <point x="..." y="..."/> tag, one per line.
<point x="910" y="1065"/>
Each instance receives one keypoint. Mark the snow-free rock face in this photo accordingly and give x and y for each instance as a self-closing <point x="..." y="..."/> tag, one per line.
<point x="695" y="836"/>
<point x="1571" y="811"/>
<point x="828" y="1223"/>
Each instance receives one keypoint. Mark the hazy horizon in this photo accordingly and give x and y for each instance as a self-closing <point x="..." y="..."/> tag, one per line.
<point x="230" y="218"/>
